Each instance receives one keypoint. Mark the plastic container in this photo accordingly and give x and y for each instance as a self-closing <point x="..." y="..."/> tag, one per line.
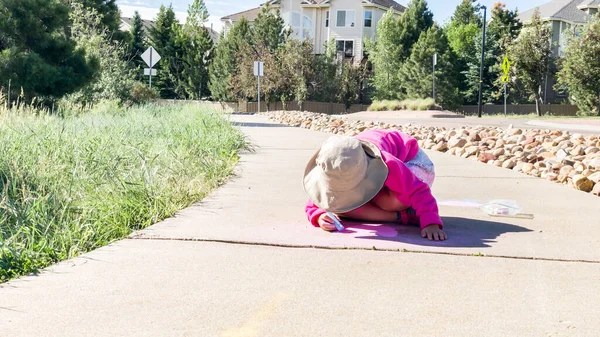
<point x="501" y="207"/>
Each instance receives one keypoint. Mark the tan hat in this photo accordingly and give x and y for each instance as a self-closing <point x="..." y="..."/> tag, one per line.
<point x="344" y="174"/>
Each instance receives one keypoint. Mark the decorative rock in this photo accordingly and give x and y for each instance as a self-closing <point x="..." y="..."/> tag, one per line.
<point x="582" y="183"/>
<point x="486" y="157"/>
<point x="595" y="177"/>
<point x="595" y="163"/>
<point x="577" y="151"/>
<point x="457" y="142"/>
<point x="472" y="150"/>
<point x="596" y="190"/>
<point x="474" y="136"/>
<point x="527" y="168"/>
<point x="551" y="176"/>
<point x="441" y="147"/>
<point x="591" y="150"/>
<point x="509" y="164"/>
<point x="565" y="170"/>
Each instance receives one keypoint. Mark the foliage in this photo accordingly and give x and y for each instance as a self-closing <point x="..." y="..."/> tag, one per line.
<point x="268" y="29"/>
<point x="138" y="45"/>
<point x="416" y="72"/>
<point x="142" y="94"/>
<point x="532" y="56"/>
<point x="35" y="54"/>
<point x="223" y="64"/>
<point x="109" y="13"/>
<point x="385" y="55"/>
<point x="163" y="39"/>
<point x="115" y="77"/>
<point x="472" y="71"/>
<point x="580" y="70"/>
<point x="407" y="104"/>
<point x="197" y="47"/>
<point x="74" y="184"/>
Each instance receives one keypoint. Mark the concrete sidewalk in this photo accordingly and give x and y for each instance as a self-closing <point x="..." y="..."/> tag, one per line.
<point x="225" y="267"/>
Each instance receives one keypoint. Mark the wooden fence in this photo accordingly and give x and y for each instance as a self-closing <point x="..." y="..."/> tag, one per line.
<point x="337" y="108"/>
<point x="520" y="109"/>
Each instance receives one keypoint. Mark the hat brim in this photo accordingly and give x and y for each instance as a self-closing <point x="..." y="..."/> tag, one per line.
<point x="319" y="192"/>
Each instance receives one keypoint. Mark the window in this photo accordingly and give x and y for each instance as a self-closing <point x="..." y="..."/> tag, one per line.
<point x="345" y="19"/>
<point x="345" y="46"/>
<point x="327" y="19"/>
<point x="301" y="26"/>
<point x="368" y="18"/>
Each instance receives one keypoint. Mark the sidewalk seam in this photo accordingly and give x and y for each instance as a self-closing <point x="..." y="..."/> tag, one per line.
<point x="403" y="250"/>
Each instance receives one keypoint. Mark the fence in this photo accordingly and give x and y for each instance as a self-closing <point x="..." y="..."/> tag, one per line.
<point x="337" y="108"/>
<point x="521" y="109"/>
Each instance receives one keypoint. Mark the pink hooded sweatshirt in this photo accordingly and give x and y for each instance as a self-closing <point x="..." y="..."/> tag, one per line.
<point x="396" y="149"/>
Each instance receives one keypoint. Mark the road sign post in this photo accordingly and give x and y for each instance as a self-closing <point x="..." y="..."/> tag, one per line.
<point x="151" y="57"/>
<point x="505" y="78"/>
<point x="433" y="75"/>
<point x="259" y="72"/>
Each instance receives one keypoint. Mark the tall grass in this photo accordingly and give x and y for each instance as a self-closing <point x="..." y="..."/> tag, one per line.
<point x="407" y="104"/>
<point x="70" y="185"/>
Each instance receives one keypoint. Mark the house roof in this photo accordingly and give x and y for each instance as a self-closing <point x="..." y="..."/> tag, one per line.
<point x="146" y="23"/>
<point x="251" y="14"/>
<point x="559" y="10"/>
<point x="589" y="3"/>
<point x="389" y="4"/>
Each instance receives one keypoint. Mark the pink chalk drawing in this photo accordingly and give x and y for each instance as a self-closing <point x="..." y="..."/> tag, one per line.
<point x="369" y="229"/>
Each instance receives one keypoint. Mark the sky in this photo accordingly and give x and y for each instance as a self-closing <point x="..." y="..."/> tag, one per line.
<point x="442" y="9"/>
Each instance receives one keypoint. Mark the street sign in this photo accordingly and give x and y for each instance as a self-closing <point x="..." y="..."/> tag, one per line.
<point x="151" y="57"/>
<point x="148" y="72"/>
<point x="435" y="59"/>
<point x="259" y="68"/>
<point x="505" y="69"/>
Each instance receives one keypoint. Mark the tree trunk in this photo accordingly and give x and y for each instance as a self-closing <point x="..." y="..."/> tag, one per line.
<point x="538" y="98"/>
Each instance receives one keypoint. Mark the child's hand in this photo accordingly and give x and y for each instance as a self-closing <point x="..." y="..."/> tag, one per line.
<point x="326" y="223"/>
<point x="434" y="232"/>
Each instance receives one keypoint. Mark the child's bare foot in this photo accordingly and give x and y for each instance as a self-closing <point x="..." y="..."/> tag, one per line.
<point x="434" y="232"/>
<point x="326" y="223"/>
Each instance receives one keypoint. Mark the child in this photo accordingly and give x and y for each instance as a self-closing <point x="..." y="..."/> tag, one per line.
<point x="378" y="175"/>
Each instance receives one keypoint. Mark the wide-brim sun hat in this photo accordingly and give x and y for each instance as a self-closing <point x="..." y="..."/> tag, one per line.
<point x="345" y="174"/>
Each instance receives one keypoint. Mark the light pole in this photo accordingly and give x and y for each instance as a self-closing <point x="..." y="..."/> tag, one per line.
<point x="480" y="109"/>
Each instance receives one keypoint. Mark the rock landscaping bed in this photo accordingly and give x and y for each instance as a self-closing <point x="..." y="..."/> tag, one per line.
<point x="560" y="156"/>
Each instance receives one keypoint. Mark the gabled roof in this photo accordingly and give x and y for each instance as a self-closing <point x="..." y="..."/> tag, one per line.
<point x="250" y="15"/>
<point x="146" y="23"/>
<point x="559" y="10"/>
<point x="388" y="4"/>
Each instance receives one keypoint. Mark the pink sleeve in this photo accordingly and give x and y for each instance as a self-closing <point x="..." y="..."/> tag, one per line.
<point x="313" y="212"/>
<point x="412" y="191"/>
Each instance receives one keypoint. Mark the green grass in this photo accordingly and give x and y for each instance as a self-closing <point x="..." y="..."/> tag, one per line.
<point x="407" y="104"/>
<point x="70" y="185"/>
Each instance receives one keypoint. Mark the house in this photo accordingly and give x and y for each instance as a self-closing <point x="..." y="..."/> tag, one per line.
<point x="563" y="16"/>
<point x="349" y="22"/>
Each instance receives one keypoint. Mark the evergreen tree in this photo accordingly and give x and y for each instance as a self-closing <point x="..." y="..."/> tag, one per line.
<point x="35" y="54"/>
<point x="462" y="32"/>
<point x="385" y="55"/>
<point x="138" y="45"/>
<point x="163" y="39"/>
<point x="532" y="57"/>
<point x="416" y="19"/>
<point x="504" y="29"/>
<point x="580" y="70"/>
<point x="416" y="73"/>
<point x="395" y="39"/>
<point x="269" y="29"/>
<point x="224" y="62"/>
<point x="197" y="51"/>
<point x="470" y="93"/>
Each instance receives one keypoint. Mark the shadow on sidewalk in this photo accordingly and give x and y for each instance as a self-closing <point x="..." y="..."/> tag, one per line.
<point x="260" y="125"/>
<point x="462" y="232"/>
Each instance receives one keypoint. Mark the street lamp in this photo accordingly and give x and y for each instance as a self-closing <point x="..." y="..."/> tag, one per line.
<point x="481" y="65"/>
